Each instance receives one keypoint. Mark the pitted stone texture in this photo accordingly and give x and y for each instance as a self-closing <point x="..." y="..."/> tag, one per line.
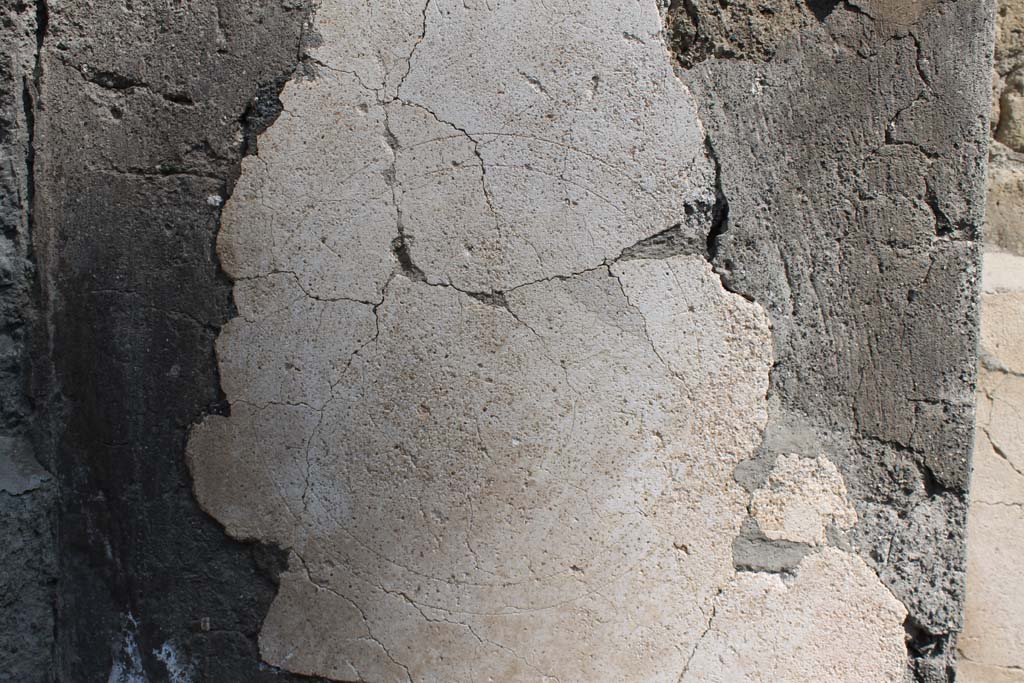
<point x="801" y="499"/>
<point x="853" y="165"/>
<point x="27" y="492"/>
<point x="834" y="621"/>
<point x="705" y="29"/>
<point x="144" y="110"/>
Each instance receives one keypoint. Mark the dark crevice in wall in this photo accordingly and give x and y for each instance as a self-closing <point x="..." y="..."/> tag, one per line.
<point x="823" y="8"/>
<point x="720" y="210"/>
<point x="400" y="248"/>
<point x="261" y="113"/>
<point x="42" y="23"/>
<point x="927" y="650"/>
<point x="31" y="87"/>
<point x="111" y="80"/>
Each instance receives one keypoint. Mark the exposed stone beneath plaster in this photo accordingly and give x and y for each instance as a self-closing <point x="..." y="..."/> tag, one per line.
<point x="855" y="224"/>
<point x="27" y="489"/>
<point x="142" y="112"/>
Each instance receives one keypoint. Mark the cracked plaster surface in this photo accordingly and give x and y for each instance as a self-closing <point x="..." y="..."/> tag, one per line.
<point x="498" y="442"/>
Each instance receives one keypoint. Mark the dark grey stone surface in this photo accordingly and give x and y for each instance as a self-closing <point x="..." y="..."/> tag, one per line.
<point x="145" y="110"/>
<point x="27" y="550"/>
<point x="852" y="160"/>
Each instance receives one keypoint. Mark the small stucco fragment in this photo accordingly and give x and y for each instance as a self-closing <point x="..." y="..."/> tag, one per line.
<point x="834" y="621"/>
<point x="800" y="499"/>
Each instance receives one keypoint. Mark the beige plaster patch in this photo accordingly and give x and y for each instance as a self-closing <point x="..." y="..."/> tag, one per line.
<point x="994" y="624"/>
<point x="1000" y="329"/>
<point x="1003" y="271"/>
<point x="973" y="672"/>
<point x="800" y="499"/>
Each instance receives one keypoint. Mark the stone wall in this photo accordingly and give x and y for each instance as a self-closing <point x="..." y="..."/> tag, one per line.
<point x="992" y="644"/>
<point x="144" y="111"/>
<point x="440" y="340"/>
<point x="501" y="377"/>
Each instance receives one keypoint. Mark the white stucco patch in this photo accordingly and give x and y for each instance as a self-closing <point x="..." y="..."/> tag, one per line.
<point x="800" y="499"/>
<point x="536" y="122"/>
<point x="498" y="447"/>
